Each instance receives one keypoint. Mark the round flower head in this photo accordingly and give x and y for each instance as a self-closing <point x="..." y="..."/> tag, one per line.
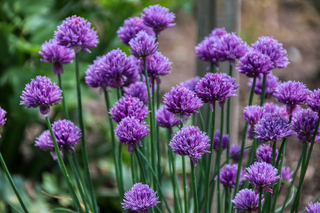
<point x="273" y="128"/>
<point x="130" y="131"/>
<point x="45" y="143"/>
<point x="140" y="198"/>
<point x="129" y="106"/>
<point x="235" y="152"/>
<point x="138" y="90"/>
<point x="254" y="63"/>
<point x="216" y="141"/>
<point x="190" y="141"/>
<point x="191" y="83"/>
<point x="262" y="174"/>
<point x="76" y="32"/>
<point x="272" y="82"/>
<point x="130" y="29"/>
<point x="228" y="175"/>
<point x="166" y="118"/>
<point x="264" y="153"/>
<point x="218" y="32"/>
<point x="313" y="100"/>
<point x="57" y="55"/>
<point x="271" y="108"/>
<point x="286" y="174"/>
<point x="252" y="114"/>
<point x="157" y="17"/>
<point x="94" y="77"/>
<point x="143" y="45"/>
<point x="291" y="93"/>
<point x="304" y="124"/>
<point x="2" y="117"/>
<point x="230" y="47"/>
<point x="206" y="50"/>
<point x="247" y="201"/>
<point x="216" y="87"/>
<point x="42" y="93"/>
<point x="313" y="207"/>
<point x="273" y="49"/>
<point x="182" y="102"/>
<point x="157" y="64"/>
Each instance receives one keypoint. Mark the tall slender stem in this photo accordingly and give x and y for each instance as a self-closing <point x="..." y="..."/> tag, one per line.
<point x="219" y="157"/>
<point x="208" y="171"/>
<point x="83" y="144"/>
<point x="13" y="185"/>
<point x="263" y="92"/>
<point x="133" y="169"/>
<point x="260" y="198"/>
<point x="65" y="109"/>
<point x="184" y="174"/>
<point x="63" y="167"/>
<point x="228" y="115"/>
<point x="194" y="181"/>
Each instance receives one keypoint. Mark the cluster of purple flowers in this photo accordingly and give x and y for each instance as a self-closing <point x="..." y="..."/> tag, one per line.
<point x="2" y="117"/>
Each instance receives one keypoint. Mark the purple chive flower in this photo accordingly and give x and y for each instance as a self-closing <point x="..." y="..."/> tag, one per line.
<point x="236" y="149"/>
<point x="143" y="45"/>
<point x="216" y="87"/>
<point x="129" y="107"/>
<point x="75" y="32"/>
<point x="138" y="90"/>
<point x="313" y="100"/>
<point x="191" y="83"/>
<point x="230" y="47"/>
<point x="42" y="93"/>
<point x="157" y="17"/>
<point x="247" y="201"/>
<point x="286" y="174"/>
<point x="264" y="153"/>
<point x="304" y="124"/>
<point x="56" y="54"/>
<point x="253" y="114"/>
<point x="272" y="82"/>
<point x="166" y="118"/>
<point x="130" y="29"/>
<point x="182" y="102"/>
<point x="313" y="207"/>
<point x="190" y="141"/>
<point x="218" y="32"/>
<point x="216" y="141"/>
<point x="262" y="174"/>
<point x="273" y="49"/>
<point x="66" y="134"/>
<point x="228" y="175"/>
<point x="291" y="93"/>
<point x="94" y="77"/>
<point x="206" y="50"/>
<point x="140" y="198"/>
<point x="271" y="108"/>
<point x="130" y="131"/>
<point x="254" y="63"/>
<point x="2" y="117"/>
<point x="157" y="65"/>
<point x="273" y="128"/>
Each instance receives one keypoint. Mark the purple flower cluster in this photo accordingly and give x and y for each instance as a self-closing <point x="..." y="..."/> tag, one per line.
<point x="206" y="50"/>
<point x="262" y="175"/>
<point x="216" y="87"/>
<point x="247" y="201"/>
<point x="42" y="93"/>
<point x="140" y="198"/>
<point x="166" y="118"/>
<point x="313" y="100"/>
<point x="190" y="141"/>
<point x="273" y="49"/>
<point x="182" y="102"/>
<point x="264" y="153"/>
<point x="216" y="141"/>
<point x="131" y="27"/>
<point x="56" y="54"/>
<point x="129" y="107"/>
<point x="76" y="32"/>
<point x="313" y="207"/>
<point x="273" y="128"/>
<point x="2" y="117"/>
<point x="138" y="90"/>
<point x="286" y="174"/>
<point x="254" y="63"/>
<point x="253" y="114"/>
<point x="218" y="32"/>
<point x="158" y="18"/>
<point x="130" y="131"/>
<point x="272" y="82"/>
<point x="228" y="175"/>
<point x="235" y="152"/>
<point x="143" y="45"/>
<point x="191" y="83"/>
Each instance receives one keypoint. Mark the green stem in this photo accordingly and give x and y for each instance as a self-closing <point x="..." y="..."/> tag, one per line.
<point x="263" y="92"/>
<point x="219" y="157"/>
<point x="64" y="105"/>
<point x="260" y="198"/>
<point x="12" y="184"/>
<point x="228" y="115"/>
<point x="133" y="169"/>
<point x="83" y="144"/>
<point x="208" y="171"/>
<point x="63" y="167"/>
<point x="227" y="198"/>
<point x="201" y="120"/>
<point x="196" y="206"/>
